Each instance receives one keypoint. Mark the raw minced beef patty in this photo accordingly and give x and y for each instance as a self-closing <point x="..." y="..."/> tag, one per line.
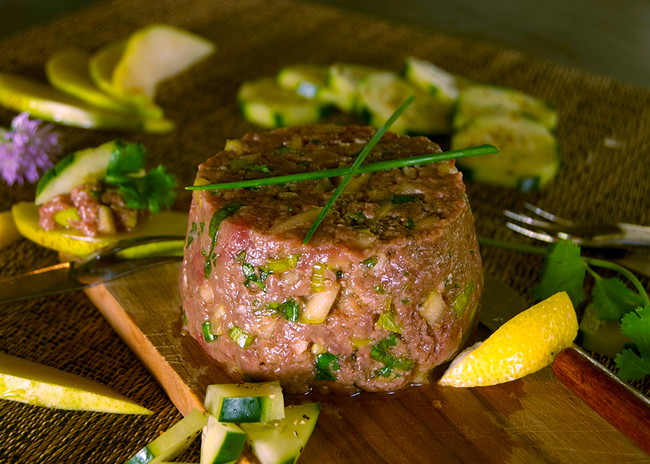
<point x="387" y="288"/>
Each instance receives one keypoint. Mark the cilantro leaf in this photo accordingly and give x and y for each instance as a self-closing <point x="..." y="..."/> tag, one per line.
<point x="612" y="298"/>
<point x="632" y="366"/>
<point x="564" y="270"/>
<point x="636" y="325"/>
<point x="154" y="190"/>
<point x="325" y="364"/>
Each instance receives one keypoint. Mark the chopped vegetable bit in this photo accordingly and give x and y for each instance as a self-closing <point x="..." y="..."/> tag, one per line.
<point x="290" y="309"/>
<point x="240" y="337"/>
<point x="153" y="190"/>
<point x="26" y="149"/>
<point x="250" y="274"/>
<point x="370" y="262"/>
<point x="387" y="321"/>
<point x="325" y="364"/>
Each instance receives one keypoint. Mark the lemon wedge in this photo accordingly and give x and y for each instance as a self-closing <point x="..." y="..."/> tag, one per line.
<point x="523" y="345"/>
<point x="72" y="242"/>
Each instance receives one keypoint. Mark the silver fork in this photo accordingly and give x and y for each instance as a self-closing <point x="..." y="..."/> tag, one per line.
<point x="630" y="242"/>
<point x="548" y="227"/>
<point x="116" y="260"/>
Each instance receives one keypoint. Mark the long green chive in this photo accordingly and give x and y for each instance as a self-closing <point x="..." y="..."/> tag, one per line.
<point x="352" y="170"/>
<point x="371" y="167"/>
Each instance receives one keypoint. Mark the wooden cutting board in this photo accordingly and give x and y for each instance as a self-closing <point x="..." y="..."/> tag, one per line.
<point x="535" y="419"/>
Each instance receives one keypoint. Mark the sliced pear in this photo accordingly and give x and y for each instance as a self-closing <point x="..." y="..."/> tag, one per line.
<point x="72" y="242"/>
<point x="8" y="230"/>
<point x="45" y="102"/>
<point x="68" y="71"/>
<point x="101" y="66"/>
<point x="156" y="53"/>
<point x="40" y="385"/>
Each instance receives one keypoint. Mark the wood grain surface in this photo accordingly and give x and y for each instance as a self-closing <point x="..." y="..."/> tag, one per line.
<point x="535" y="419"/>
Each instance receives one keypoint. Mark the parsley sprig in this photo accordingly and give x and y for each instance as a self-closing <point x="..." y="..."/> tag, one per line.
<point x="154" y="190"/>
<point x="566" y="269"/>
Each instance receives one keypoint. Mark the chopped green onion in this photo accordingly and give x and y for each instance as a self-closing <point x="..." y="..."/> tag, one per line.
<point x="371" y="167"/>
<point x="206" y="328"/>
<point x="240" y="337"/>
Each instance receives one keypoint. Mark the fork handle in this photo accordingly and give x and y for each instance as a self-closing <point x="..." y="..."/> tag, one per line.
<point x="625" y="409"/>
<point x="636" y="235"/>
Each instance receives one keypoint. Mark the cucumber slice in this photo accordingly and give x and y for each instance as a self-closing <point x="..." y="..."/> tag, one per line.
<point x="68" y="71"/>
<point x="245" y="402"/>
<point x="485" y="100"/>
<point x="381" y="94"/>
<point x="307" y="80"/>
<point x="265" y="103"/>
<point x="221" y="442"/>
<point x="173" y="441"/>
<point x="431" y="78"/>
<point x="283" y="442"/>
<point x="77" y="168"/>
<point x="47" y="103"/>
<point x="528" y="155"/>
<point x="344" y="80"/>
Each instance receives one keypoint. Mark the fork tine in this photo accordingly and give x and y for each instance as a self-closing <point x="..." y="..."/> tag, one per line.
<point x="542" y="236"/>
<point x="526" y="219"/>
<point x="546" y="215"/>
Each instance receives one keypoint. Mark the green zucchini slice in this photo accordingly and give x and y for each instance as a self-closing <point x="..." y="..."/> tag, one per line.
<point x="265" y="103"/>
<point x="528" y="155"/>
<point x="477" y="101"/>
<point x="381" y="94"/>
<point x="431" y="78"/>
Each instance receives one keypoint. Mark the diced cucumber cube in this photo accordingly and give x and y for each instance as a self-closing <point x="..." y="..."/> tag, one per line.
<point x="221" y="443"/>
<point x="283" y="442"/>
<point x="245" y="402"/>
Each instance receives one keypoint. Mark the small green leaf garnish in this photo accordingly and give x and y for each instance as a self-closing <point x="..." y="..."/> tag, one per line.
<point x="564" y="270"/>
<point x="153" y="190"/>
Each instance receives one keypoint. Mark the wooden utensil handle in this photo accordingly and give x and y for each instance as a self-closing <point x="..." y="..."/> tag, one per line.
<point x="621" y="406"/>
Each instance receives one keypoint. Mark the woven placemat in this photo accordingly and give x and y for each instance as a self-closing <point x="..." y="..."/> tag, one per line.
<point x="604" y="135"/>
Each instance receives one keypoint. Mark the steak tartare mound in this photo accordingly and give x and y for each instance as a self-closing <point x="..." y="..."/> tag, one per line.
<point x="386" y="289"/>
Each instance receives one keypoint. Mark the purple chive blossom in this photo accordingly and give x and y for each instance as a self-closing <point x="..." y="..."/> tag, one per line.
<point x="26" y="148"/>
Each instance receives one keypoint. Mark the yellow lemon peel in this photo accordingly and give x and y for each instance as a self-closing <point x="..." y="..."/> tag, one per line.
<point x="525" y="344"/>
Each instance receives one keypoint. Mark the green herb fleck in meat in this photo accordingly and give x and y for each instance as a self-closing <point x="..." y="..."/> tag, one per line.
<point x="401" y="199"/>
<point x="325" y="364"/>
<point x="213" y="230"/>
<point x="380" y="353"/>
<point x="206" y="328"/>
<point x="370" y="262"/>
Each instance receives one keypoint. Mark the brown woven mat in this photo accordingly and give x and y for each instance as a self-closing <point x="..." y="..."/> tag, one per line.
<point x="599" y="180"/>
